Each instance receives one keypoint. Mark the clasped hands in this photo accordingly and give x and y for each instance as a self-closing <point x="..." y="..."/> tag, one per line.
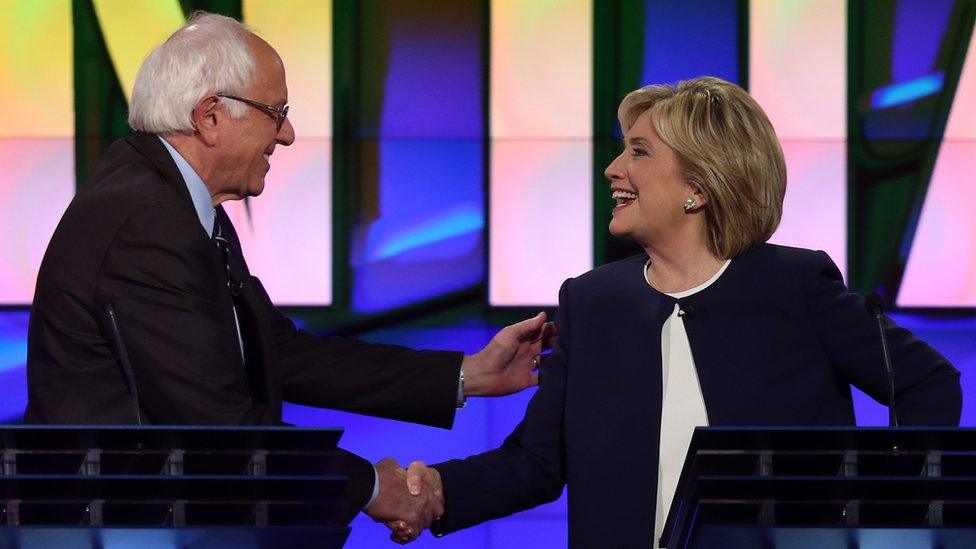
<point x="411" y="499"/>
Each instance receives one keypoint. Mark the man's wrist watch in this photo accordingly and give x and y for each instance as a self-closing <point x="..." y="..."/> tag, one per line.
<point x="461" y="399"/>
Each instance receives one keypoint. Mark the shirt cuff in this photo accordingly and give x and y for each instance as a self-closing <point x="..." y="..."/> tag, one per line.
<point x="376" y="488"/>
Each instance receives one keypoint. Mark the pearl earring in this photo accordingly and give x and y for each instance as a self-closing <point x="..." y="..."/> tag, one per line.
<point x="690" y="204"/>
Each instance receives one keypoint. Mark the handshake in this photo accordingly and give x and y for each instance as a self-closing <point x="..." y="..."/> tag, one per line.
<point x="409" y="500"/>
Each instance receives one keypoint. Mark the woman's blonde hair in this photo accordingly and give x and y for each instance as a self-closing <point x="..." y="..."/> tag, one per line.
<point x="727" y="149"/>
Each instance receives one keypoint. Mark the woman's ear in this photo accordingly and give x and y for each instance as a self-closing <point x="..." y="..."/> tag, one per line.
<point x="206" y="119"/>
<point x="696" y="197"/>
<point x="700" y="197"/>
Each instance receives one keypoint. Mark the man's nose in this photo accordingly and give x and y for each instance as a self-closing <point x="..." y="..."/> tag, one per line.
<point x="286" y="135"/>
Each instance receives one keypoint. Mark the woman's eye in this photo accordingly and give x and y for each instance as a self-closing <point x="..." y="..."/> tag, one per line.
<point x="638" y="152"/>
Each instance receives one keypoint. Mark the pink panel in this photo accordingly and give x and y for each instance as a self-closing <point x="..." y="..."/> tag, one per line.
<point x="941" y="270"/>
<point x="815" y="208"/>
<point x="36" y="185"/>
<point x="288" y="237"/>
<point x="541" y="206"/>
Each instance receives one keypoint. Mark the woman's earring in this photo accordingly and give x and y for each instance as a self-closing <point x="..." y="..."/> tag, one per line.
<point x="689" y="204"/>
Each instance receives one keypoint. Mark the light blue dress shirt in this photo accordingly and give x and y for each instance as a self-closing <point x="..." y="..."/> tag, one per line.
<point x="199" y="193"/>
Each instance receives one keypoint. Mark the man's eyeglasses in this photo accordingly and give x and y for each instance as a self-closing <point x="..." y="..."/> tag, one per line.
<point x="279" y="114"/>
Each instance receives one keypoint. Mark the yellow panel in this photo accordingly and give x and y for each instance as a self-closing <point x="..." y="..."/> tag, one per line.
<point x="132" y="28"/>
<point x="541" y="68"/>
<point x="301" y="31"/>
<point x="798" y="66"/>
<point x="36" y="85"/>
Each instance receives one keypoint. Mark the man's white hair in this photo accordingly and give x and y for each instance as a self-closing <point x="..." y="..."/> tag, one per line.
<point x="207" y="55"/>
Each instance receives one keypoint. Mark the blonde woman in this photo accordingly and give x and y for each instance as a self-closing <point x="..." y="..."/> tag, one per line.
<point x="710" y="326"/>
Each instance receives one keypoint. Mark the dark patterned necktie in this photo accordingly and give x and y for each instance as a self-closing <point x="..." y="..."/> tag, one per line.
<point x="224" y="250"/>
<point x="221" y="243"/>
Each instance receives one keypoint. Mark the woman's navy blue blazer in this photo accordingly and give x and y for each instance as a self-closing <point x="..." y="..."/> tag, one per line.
<point x="777" y="340"/>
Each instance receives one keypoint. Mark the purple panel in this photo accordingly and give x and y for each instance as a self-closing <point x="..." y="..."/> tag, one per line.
<point x="426" y="212"/>
<point x="919" y="29"/>
<point x="433" y="82"/>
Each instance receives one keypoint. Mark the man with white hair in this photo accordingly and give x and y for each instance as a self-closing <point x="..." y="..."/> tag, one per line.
<point x="145" y="311"/>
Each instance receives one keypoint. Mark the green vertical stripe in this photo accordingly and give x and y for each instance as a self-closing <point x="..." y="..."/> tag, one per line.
<point x="744" y="36"/>
<point x="618" y="56"/>
<point x="230" y="8"/>
<point x="888" y="178"/>
<point x="100" y="105"/>
<point x="345" y="105"/>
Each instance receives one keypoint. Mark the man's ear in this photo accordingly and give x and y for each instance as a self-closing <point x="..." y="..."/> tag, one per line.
<point x="206" y="119"/>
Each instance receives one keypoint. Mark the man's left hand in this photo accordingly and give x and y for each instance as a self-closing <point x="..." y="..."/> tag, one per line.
<point x="509" y="362"/>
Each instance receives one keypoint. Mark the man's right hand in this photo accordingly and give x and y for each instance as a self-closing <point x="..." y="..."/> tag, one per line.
<point x="405" y="512"/>
<point x="425" y="483"/>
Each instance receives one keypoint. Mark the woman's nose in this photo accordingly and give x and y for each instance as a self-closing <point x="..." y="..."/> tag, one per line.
<point x="613" y="170"/>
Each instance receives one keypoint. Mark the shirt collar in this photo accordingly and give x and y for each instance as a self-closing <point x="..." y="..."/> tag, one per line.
<point x="199" y="193"/>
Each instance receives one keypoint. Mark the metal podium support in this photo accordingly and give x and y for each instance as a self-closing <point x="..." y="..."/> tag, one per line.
<point x="826" y="487"/>
<point x="99" y="486"/>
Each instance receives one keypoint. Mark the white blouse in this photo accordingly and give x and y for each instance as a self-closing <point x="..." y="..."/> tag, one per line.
<point x="683" y="407"/>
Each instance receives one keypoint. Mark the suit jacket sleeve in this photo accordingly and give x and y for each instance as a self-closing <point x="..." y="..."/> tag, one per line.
<point x="927" y="390"/>
<point x="348" y="374"/>
<point x="529" y="468"/>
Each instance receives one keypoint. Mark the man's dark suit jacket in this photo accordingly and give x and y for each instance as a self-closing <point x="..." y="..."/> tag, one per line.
<point x="777" y="340"/>
<point x="131" y="239"/>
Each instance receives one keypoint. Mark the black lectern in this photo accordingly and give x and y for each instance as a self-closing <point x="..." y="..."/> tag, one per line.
<point x="103" y="486"/>
<point x="826" y="487"/>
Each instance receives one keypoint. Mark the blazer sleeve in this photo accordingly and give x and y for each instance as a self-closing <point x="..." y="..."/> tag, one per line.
<point x="163" y="282"/>
<point x="529" y="467"/>
<point x="386" y="381"/>
<point x="927" y="390"/>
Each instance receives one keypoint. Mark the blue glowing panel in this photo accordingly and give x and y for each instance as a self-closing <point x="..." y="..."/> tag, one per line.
<point x="536" y="532"/>
<point x="689" y="39"/>
<point x="908" y="91"/>
<point x="955" y="338"/>
<point x="13" y="358"/>
<point x="421" y="234"/>
<point x="432" y="215"/>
